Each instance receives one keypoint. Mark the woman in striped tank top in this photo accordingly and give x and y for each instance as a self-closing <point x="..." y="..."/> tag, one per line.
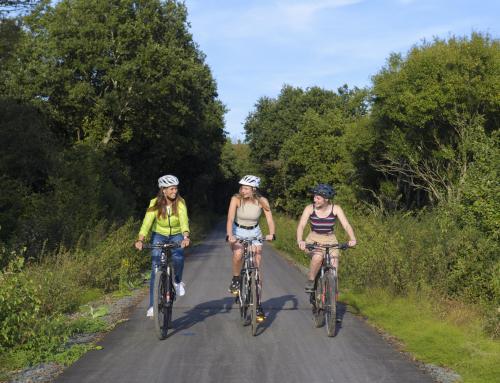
<point x="322" y="215"/>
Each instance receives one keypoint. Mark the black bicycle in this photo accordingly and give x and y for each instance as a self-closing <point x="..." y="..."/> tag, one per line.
<point x="248" y="297"/>
<point x="324" y="296"/>
<point x="164" y="288"/>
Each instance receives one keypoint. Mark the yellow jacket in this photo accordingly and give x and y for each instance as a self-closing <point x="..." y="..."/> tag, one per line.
<point x="170" y="225"/>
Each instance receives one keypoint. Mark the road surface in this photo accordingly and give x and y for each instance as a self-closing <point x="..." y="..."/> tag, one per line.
<point x="209" y="344"/>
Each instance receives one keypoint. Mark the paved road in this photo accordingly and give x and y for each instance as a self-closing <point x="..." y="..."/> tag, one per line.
<point x="208" y="343"/>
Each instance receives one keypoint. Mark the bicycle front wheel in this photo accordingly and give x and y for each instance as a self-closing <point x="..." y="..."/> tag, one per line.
<point x="162" y="304"/>
<point x="317" y="303"/>
<point x="330" y="302"/>
<point x="253" y="302"/>
<point x="244" y="300"/>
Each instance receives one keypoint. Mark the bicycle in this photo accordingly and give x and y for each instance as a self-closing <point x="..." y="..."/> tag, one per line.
<point x="324" y="296"/>
<point x="249" y="294"/>
<point x="164" y="290"/>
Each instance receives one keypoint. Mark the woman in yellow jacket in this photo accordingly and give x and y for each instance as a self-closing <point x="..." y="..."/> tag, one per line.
<point x="167" y="218"/>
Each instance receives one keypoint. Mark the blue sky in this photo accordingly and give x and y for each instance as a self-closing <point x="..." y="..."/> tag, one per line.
<point x="255" y="47"/>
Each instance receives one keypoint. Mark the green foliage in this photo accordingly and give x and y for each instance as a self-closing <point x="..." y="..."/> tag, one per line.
<point x="427" y="106"/>
<point x="402" y="254"/>
<point x="19" y="305"/>
<point x="84" y="188"/>
<point x="113" y="263"/>
<point x="97" y="99"/>
<point x="235" y="161"/>
<point x="34" y="297"/>
<point x="126" y="76"/>
<point x="299" y="139"/>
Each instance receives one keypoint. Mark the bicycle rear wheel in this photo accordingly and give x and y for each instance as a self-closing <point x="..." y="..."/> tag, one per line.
<point x="244" y="298"/>
<point x="330" y="302"/>
<point x="162" y="304"/>
<point x="253" y="302"/>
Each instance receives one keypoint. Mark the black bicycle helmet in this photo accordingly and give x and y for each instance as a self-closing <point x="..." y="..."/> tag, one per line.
<point x="324" y="190"/>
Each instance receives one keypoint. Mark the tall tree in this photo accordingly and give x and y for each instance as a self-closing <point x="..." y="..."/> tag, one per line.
<point x="295" y="141"/>
<point x="124" y="76"/>
<point x="426" y="107"/>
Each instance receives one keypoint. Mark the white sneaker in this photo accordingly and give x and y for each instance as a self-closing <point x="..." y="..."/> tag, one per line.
<point x="150" y="312"/>
<point x="180" y="289"/>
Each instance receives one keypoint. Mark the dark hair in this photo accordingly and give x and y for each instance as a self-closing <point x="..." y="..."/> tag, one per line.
<point x="161" y="204"/>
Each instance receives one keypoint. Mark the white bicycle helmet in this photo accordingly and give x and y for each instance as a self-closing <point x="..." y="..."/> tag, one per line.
<point x="168" y="180"/>
<point x="250" y="180"/>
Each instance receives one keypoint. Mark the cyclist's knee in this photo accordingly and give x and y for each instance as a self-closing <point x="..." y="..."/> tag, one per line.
<point x="317" y="257"/>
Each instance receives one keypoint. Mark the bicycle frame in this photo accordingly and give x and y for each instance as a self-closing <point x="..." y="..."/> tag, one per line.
<point x="324" y="296"/>
<point x="249" y="295"/>
<point x="164" y="290"/>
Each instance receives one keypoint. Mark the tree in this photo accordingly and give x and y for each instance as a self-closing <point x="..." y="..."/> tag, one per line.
<point x="126" y="77"/>
<point x="424" y="108"/>
<point x="297" y="140"/>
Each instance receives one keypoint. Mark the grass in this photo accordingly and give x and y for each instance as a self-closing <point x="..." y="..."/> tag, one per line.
<point x="438" y="332"/>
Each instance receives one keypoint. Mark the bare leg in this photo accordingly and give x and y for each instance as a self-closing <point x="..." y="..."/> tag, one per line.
<point x="258" y="261"/>
<point x="315" y="265"/>
<point x="237" y="259"/>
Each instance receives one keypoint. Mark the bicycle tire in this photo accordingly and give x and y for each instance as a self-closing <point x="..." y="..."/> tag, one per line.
<point x="330" y="302"/>
<point x="162" y="305"/>
<point x="253" y="303"/>
<point x="244" y="297"/>
<point x="316" y="302"/>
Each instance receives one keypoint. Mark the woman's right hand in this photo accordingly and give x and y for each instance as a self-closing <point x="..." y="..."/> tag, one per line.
<point x="302" y="245"/>
<point x="231" y="239"/>
<point x="138" y="245"/>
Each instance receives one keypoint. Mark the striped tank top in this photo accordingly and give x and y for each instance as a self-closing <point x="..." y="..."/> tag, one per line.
<point x="322" y="225"/>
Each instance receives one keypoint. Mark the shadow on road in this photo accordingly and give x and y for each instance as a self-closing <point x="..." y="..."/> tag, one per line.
<point x="273" y="306"/>
<point x="201" y="312"/>
<point x="341" y="310"/>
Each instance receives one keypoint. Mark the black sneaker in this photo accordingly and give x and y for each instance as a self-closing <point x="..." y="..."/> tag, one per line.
<point x="309" y="286"/>
<point x="261" y="317"/>
<point x="234" y="287"/>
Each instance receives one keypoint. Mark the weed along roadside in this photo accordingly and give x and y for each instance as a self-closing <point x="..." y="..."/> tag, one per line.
<point x="89" y="324"/>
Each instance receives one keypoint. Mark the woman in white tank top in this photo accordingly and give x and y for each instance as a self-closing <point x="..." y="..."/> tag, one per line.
<point x="243" y="221"/>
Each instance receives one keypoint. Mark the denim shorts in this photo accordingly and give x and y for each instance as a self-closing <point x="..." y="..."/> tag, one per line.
<point x="245" y="233"/>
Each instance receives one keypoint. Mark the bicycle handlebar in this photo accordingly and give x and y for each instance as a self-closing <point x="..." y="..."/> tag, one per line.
<point x="169" y="245"/>
<point x="315" y="245"/>
<point x="248" y="239"/>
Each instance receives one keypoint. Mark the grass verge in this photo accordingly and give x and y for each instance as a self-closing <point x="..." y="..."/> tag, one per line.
<point x="434" y="331"/>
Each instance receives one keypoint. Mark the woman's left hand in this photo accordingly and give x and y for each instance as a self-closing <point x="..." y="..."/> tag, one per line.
<point x="352" y="243"/>
<point x="185" y="242"/>
<point x="269" y="237"/>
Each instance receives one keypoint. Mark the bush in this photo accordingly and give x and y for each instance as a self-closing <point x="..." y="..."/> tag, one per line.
<point x="20" y="305"/>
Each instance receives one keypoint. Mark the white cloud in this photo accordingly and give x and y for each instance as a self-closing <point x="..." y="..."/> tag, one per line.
<point x="301" y="14"/>
<point x="273" y="20"/>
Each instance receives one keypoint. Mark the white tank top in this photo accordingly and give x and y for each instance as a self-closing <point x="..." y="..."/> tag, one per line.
<point x="248" y="214"/>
